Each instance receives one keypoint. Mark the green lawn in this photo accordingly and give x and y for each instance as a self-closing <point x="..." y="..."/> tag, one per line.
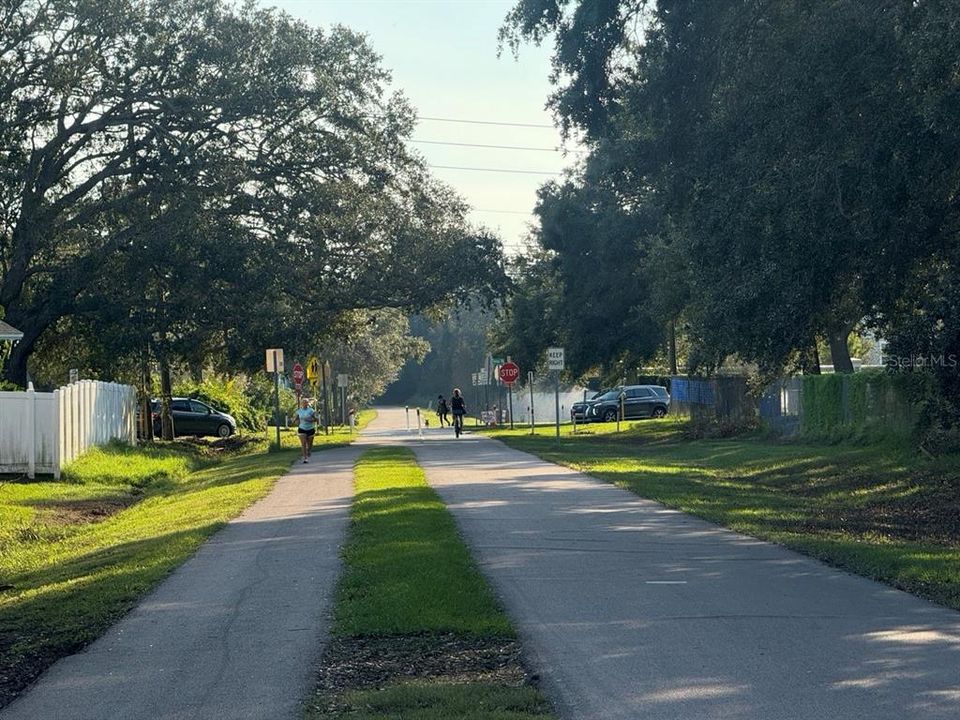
<point x="76" y="555"/>
<point x="410" y="606"/>
<point x="877" y="510"/>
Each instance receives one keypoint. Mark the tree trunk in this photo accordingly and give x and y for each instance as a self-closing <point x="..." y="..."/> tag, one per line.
<point x="672" y="348"/>
<point x="166" y="415"/>
<point x="839" y="352"/>
<point x="146" y="393"/>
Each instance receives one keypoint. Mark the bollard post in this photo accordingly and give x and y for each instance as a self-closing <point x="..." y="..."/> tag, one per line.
<point x="419" y="428"/>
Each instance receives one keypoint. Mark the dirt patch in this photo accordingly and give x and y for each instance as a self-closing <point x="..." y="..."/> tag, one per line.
<point x="363" y="663"/>
<point x="77" y="512"/>
<point x="221" y="445"/>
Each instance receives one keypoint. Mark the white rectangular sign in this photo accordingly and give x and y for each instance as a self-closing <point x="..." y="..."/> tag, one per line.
<point x="275" y="360"/>
<point x="342" y="379"/>
<point x="555" y="359"/>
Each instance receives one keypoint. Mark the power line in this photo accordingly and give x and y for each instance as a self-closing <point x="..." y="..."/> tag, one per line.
<point x="507" y="212"/>
<point x="479" y="145"/>
<point x="501" y="170"/>
<point x="484" y="122"/>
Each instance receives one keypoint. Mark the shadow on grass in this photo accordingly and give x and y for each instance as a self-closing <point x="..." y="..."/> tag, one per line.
<point x="56" y="612"/>
<point x="718" y="614"/>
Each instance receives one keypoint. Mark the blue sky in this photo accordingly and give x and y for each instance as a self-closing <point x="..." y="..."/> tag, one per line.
<point x="443" y="56"/>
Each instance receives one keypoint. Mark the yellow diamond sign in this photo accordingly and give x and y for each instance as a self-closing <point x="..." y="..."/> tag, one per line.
<point x="313" y="368"/>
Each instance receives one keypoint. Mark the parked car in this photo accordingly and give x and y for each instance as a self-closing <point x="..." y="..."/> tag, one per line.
<point x="578" y="411"/>
<point x="639" y="401"/>
<point x="192" y="417"/>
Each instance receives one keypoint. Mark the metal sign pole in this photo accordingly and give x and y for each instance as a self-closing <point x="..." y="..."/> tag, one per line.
<point x="276" y="396"/>
<point x="533" y="421"/>
<point x="407" y="411"/>
<point x="556" y="397"/>
<point x="419" y="427"/>
<point x="510" y="391"/>
<point x="326" y="404"/>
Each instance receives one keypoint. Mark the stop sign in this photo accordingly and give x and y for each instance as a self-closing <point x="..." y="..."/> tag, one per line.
<point x="298" y="374"/>
<point x="509" y="372"/>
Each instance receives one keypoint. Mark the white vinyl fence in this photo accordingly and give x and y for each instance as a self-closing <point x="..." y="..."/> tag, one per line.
<point x="42" y="432"/>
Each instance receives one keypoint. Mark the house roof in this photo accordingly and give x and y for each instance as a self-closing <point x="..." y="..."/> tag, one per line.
<point x="8" y="332"/>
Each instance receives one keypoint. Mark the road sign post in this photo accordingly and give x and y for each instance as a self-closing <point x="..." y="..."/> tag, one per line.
<point x="298" y="380"/>
<point x="275" y="365"/>
<point x="533" y="421"/>
<point x="509" y="373"/>
<point x="325" y="374"/>
<point x="342" y="380"/>
<point x="555" y="363"/>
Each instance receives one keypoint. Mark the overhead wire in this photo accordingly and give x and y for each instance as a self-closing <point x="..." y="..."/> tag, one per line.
<point x="501" y="170"/>
<point x="484" y="122"/>
<point x="496" y="147"/>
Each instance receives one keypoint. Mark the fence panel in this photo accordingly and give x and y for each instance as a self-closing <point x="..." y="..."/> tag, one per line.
<point x="42" y="432"/>
<point x="28" y="432"/>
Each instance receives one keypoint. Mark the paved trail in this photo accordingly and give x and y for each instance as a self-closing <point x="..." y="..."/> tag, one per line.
<point x="628" y="610"/>
<point x="631" y="610"/>
<point x="235" y="633"/>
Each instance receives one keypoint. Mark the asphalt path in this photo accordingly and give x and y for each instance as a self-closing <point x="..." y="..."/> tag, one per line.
<point x="631" y="610"/>
<point x="627" y="609"/>
<point x="235" y="633"/>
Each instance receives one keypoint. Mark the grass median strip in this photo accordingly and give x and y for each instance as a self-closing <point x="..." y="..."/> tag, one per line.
<point x="417" y="632"/>
<point x="879" y="511"/>
<point x="76" y="555"/>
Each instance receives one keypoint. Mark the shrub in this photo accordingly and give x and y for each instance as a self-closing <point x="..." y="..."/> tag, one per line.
<point x="227" y="395"/>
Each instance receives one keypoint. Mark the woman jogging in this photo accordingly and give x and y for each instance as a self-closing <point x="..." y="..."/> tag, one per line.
<point x="459" y="409"/>
<point x="306" y="427"/>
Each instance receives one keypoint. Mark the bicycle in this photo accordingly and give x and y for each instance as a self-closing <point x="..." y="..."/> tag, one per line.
<point x="457" y="425"/>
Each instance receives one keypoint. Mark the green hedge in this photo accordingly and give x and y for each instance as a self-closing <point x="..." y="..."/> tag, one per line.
<point x="866" y="405"/>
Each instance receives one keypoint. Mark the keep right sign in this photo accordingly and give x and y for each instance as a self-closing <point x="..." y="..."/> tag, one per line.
<point x="555" y="359"/>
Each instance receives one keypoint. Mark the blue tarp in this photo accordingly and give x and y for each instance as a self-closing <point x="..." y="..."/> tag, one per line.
<point x="692" y="392"/>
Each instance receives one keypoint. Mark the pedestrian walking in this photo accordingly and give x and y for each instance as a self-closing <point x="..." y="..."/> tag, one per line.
<point x="443" y="410"/>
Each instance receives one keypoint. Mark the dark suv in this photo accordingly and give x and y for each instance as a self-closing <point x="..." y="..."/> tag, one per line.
<point x="639" y="401"/>
<point x="192" y="417"/>
<point x="578" y="411"/>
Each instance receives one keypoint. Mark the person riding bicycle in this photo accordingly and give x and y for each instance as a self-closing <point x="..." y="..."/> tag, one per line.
<point x="458" y="408"/>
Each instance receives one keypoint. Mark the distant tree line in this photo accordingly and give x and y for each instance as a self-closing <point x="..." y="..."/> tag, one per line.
<point x="186" y="182"/>
<point x="763" y="176"/>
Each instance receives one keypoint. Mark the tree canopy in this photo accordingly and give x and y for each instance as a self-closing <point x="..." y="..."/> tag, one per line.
<point x="194" y="178"/>
<point x="787" y="167"/>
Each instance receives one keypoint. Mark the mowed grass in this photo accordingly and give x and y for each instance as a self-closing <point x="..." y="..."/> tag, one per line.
<point x="408" y="574"/>
<point x="76" y="555"/>
<point x="423" y="701"/>
<point x="406" y="569"/>
<point x="880" y="511"/>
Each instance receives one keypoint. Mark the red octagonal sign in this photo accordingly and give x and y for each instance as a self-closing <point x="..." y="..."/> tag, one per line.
<point x="509" y="372"/>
